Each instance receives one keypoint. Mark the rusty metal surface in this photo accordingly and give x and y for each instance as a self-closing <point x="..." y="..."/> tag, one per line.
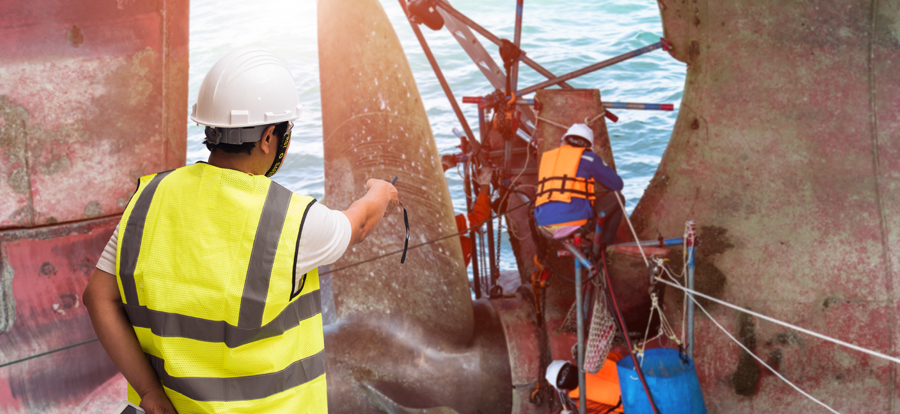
<point x="93" y="95"/>
<point x="375" y="126"/>
<point x="785" y="152"/>
<point x="407" y="337"/>
<point x="409" y="368"/>
<point x="523" y="342"/>
<point x="632" y="292"/>
<point x="45" y="271"/>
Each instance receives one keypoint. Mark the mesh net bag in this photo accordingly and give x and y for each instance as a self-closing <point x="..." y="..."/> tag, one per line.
<point x="601" y="336"/>
<point x="570" y="324"/>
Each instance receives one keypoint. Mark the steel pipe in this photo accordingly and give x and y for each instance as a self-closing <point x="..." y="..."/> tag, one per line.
<point x="443" y="81"/>
<point x="689" y="243"/>
<point x="606" y="105"/>
<point x="579" y="314"/>
<point x="517" y="40"/>
<point x="592" y="68"/>
<point x="655" y="243"/>
<point x="495" y="40"/>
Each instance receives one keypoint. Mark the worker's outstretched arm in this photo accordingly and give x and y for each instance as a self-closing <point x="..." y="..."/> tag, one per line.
<point x="104" y="305"/>
<point x="365" y="213"/>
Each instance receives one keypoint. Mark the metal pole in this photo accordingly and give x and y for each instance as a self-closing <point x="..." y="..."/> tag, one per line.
<point x="580" y="257"/>
<point x="654" y="243"/>
<point x="589" y="69"/>
<point x="579" y="314"/>
<point x="690" y="242"/>
<point x="507" y="156"/>
<point x="612" y="105"/>
<point x="517" y="40"/>
<point x="468" y="190"/>
<point x="640" y="106"/>
<point x="514" y="79"/>
<point x="482" y="131"/>
<point x="492" y="259"/>
<point x="444" y="85"/>
<point x="495" y="40"/>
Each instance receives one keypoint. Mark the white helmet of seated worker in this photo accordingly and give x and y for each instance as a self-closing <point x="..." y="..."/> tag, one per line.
<point x="577" y="131"/>
<point x="244" y="92"/>
<point x="562" y="375"/>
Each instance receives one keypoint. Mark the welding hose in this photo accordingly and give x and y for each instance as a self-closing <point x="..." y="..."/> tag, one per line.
<point x="615" y="305"/>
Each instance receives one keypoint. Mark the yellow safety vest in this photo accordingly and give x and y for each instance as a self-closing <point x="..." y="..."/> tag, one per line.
<point x="557" y="179"/>
<point x="204" y="263"/>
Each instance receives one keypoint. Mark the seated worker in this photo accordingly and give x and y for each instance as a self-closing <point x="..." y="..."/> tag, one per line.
<point x="566" y="198"/>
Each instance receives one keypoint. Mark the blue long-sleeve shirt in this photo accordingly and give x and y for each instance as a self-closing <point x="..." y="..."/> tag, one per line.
<point x="590" y="166"/>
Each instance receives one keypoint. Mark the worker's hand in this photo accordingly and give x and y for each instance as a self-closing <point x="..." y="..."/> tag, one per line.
<point x="484" y="176"/>
<point x="386" y="190"/>
<point x="156" y="402"/>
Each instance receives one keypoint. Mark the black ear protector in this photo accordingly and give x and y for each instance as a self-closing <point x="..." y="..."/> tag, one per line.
<point x="405" y="221"/>
<point x="283" y="143"/>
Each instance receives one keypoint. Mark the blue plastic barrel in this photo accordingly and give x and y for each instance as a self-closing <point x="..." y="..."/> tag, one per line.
<point x="673" y="384"/>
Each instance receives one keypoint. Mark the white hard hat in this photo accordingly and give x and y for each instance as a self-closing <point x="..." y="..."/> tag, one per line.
<point x="562" y="375"/>
<point x="580" y="130"/>
<point x="248" y="87"/>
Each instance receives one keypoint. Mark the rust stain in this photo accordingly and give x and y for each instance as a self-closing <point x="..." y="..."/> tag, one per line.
<point x="18" y="180"/>
<point x="709" y="279"/>
<point x="747" y="374"/>
<point x="693" y="52"/>
<point x="66" y="301"/>
<point x="55" y="165"/>
<point x="141" y="86"/>
<point x="47" y="269"/>
<point x="93" y="209"/>
<point x="53" y="141"/>
<point x="12" y="143"/>
<point x="7" y="299"/>
<point x="75" y="36"/>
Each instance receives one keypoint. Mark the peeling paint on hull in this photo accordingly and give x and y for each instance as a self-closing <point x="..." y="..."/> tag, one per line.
<point x="93" y="95"/>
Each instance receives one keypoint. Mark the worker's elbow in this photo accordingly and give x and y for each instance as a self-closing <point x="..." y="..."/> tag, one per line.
<point x="88" y="297"/>
<point x="359" y="234"/>
<point x="617" y="184"/>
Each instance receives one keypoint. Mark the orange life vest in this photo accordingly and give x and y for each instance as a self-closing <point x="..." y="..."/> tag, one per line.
<point x="557" y="180"/>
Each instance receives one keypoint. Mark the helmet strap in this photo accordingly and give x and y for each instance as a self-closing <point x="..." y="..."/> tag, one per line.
<point x="280" y="150"/>
<point x="234" y="136"/>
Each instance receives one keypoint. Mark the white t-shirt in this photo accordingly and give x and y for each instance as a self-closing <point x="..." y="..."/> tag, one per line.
<point x="326" y="235"/>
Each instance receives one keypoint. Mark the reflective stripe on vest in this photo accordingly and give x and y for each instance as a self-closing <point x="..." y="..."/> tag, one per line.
<point x="557" y="177"/>
<point x="205" y="264"/>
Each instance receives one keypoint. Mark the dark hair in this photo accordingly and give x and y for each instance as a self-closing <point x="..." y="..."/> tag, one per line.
<point x="246" y="147"/>
<point x="280" y="130"/>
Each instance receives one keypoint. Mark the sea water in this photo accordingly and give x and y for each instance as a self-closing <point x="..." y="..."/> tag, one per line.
<point x="561" y="36"/>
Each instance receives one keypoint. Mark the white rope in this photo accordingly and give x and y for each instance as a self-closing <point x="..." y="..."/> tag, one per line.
<point x="587" y="121"/>
<point x="660" y="262"/>
<point x="665" y="329"/>
<point x="552" y="122"/>
<point x="758" y="359"/>
<point x="591" y="121"/>
<point x="785" y="324"/>
<point x="634" y="233"/>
